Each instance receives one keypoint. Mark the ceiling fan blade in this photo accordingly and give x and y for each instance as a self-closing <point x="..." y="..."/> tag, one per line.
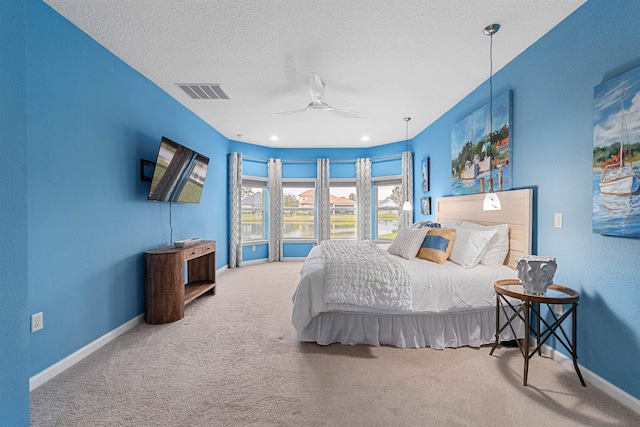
<point x="284" y="113"/>
<point x="347" y="113"/>
<point x="316" y="87"/>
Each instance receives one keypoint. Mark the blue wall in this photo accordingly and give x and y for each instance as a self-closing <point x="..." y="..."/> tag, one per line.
<point x="83" y="208"/>
<point x="14" y="319"/>
<point x="552" y="84"/>
<point x="91" y="119"/>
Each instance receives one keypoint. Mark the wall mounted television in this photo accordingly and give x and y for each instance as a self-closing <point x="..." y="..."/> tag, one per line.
<point x="178" y="175"/>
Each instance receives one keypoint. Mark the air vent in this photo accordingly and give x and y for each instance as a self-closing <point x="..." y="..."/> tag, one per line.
<point x="203" y="91"/>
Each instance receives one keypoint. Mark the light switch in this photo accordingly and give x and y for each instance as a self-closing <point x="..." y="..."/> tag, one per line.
<point x="557" y="220"/>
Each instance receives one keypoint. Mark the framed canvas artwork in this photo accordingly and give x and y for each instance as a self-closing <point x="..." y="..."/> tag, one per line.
<point x="425" y="205"/>
<point x="425" y="174"/>
<point x="616" y="156"/>
<point x="481" y="149"/>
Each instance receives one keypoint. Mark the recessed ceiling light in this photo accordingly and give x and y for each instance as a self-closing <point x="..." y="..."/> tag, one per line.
<point x="364" y="138"/>
<point x="274" y="138"/>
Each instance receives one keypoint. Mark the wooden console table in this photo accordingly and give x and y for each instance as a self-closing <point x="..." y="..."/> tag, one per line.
<point x="165" y="288"/>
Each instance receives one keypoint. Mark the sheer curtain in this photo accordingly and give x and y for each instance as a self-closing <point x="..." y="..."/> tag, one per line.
<point x="275" y="210"/>
<point x="323" y="201"/>
<point x="406" y="217"/>
<point x="235" y="210"/>
<point x="363" y="199"/>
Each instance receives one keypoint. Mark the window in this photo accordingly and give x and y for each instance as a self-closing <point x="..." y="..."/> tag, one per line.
<point x="298" y="201"/>
<point x="252" y="206"/>
<point x="388" y="197"/>
<point x="343" y="209"/>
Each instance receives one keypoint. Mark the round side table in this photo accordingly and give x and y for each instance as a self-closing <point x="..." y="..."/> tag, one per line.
<point x="531" y="303"/>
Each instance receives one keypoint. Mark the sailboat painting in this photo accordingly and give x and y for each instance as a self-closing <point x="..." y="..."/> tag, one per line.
<point x="481" y="149"/>
<point x="616" y="156"/>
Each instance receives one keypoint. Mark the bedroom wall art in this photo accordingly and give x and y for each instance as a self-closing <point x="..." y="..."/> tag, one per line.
<point x="425" y="205"/>
<point x="480" y="154"/>
<point x="425" y="174"/>
<point x="616" y="156"/>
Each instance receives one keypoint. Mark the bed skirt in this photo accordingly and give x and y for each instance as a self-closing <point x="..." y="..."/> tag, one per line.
<point x="435" y="330"/>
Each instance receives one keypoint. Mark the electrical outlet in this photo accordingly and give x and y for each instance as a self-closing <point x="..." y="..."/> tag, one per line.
<point x="253" y="248"/>
<point x="558" y="308"/>
<point x="36" y="322"/>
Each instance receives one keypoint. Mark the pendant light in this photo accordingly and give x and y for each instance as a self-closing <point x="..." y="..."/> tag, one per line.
<point x="491" y="199"/>
<point x="406" y="206"/>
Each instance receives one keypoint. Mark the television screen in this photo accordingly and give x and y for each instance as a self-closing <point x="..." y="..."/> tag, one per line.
<point x="179" y="174"/>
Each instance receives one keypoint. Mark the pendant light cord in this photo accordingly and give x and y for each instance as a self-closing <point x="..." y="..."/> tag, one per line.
<point x="490" y="31"/>
<point x="406" y="139"/>
<point x="491" y="93"/>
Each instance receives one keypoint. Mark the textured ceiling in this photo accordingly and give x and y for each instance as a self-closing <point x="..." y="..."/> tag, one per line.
<point x="388" y="59"/>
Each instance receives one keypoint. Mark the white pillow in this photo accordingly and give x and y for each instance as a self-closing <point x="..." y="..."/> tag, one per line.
<point x="470" y="246"/>
<point x="450" y="224"/>
<point x="498" y="245"/>
<point x="407" y="243"/>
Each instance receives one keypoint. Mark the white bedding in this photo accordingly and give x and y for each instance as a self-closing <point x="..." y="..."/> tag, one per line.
<point x="436" y="288"/>
<point x="362" y="274"/>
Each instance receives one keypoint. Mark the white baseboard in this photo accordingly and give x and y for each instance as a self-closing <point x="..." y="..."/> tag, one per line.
<point x="597" y="381"/>
<point x="265" y="260"/>
<point x="254" y="261"/>
<point x="55" y="369"/>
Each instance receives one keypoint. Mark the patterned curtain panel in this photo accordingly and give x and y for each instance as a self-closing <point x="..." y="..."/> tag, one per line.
<point x="275" y="210"/>
<point x="323" y="201"/>
<point x="235" y="210"/>
<point x="406" y="217"/>
<point x="363" y="201"/>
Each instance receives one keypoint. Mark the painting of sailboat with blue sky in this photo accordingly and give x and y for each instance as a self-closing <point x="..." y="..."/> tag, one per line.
<point x="616" y="156"/>
<point x="481" y="149"/>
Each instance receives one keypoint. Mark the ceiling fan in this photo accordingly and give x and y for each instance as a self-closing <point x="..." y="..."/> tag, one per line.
<point x="317" y="104"/>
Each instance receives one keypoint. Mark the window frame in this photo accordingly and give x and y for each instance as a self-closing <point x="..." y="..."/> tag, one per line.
<point x="301" y="183"/>
<point x="377" y="182"/>
<point x="256" y="182"/>
<point x="346" y="182"/>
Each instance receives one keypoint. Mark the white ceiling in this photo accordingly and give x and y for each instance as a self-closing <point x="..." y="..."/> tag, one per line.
<point x="388" y="59"/>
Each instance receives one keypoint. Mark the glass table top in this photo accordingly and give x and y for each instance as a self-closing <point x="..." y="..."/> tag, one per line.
<point x="554" y="292"/>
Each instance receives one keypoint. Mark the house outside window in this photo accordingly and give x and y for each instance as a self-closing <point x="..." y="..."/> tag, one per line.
<point x="299" y="213"/>
<point x="388" y="198"/>
<point x="253" y="209"/>
<point x="343" y="209"/>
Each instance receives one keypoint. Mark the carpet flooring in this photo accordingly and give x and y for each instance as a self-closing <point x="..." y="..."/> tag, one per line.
<point x="234" y="361"/>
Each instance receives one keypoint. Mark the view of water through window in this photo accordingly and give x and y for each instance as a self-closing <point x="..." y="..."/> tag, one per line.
<point x="299" y="212"/>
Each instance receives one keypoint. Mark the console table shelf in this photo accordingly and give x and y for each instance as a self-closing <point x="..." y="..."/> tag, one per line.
<point x="166" y="292"/>
<point x="194" y="290"/>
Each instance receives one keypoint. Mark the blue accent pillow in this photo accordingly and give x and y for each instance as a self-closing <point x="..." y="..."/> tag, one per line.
<point x="437" y="245"/>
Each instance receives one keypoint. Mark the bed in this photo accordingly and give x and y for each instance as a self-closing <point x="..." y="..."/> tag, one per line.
<point x="428" y="304"/>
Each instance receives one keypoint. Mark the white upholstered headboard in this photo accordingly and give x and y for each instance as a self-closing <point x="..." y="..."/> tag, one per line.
<point x="516" y="211"/>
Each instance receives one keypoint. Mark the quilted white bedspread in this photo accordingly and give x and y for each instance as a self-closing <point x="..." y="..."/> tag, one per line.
<point x="360" y="273"/>
<point x="435" y="288"/>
